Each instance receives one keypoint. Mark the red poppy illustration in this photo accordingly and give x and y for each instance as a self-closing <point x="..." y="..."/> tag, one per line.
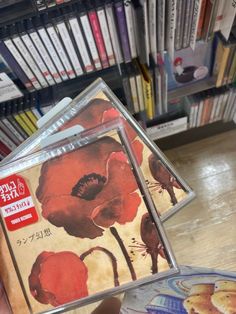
<point x="164" y="178"/>
<point x="152" y="244"/>
<point x="98" y="111"/>
<point x="58" y="278"/>
<point x="89" y="189"/>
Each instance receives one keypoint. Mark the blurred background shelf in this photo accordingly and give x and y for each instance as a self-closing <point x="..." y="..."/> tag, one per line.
<point x="171" y="78"/>
<point x="194" y="134"/>
<point x="190" y="89"/>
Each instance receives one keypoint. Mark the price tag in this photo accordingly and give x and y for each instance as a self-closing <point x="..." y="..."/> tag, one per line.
<point x="17" y="206"/>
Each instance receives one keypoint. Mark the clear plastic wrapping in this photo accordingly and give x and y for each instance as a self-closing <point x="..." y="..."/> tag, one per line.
<point x="80" y="222"/>
<point x="193" y="290"/>
<point x="93" y="107"/>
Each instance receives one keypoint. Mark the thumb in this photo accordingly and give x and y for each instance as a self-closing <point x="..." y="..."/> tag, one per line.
<point x="108" y="306"/>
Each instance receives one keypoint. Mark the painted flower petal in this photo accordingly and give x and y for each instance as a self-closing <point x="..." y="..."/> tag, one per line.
<point x="35" y="286"/>
<point x="130" y="206"/>
<point x="61" y="174"/>
<point x="121" y="184"/>
<point x="69" y="213"/>
<point x="65" y="201"/>
<point x="72" y="186"/>
<point x="138" y="151"/>
<point x="108" y="213"/>
<point x="120" y="177"/>
<point x="61" y="278"/>
<point x="83" y="228"/>
<point x="150" y="236"/>
<point x="158" y="171"/>
<point x="121" y="210"/>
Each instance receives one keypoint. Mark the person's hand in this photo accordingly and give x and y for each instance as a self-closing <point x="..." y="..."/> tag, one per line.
<point x="108" y="306"/>
<point x="4" y="307"/>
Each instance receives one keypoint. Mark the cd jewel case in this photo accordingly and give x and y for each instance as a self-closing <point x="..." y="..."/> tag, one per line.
<point x="80" y="222"/>
<point x="98" y="104"/>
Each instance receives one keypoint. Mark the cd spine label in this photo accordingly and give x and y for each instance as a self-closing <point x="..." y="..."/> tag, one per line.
<point x="187" y="23"/>
<point x="38" y="60"/>
<point x="98" y="38"/>
<point x="171" y="23"/>
<point x="106" y="36"/>
<point x="161" y="26"/>
<point x="130" y="27"/>
<point x="123" y="31"/>
<point x="134" y="94"/>
<point x="44" y="36"/>
<point x="60" y="50"/>
<point x="178" y="24"/>
<point x="81" y="44"/>
<point x="113" y="33"/>
<point x="7" y="141"/>
<point x="38" y="43"/>
<point x="11" y="61"/>
<point x="25" y="53"/>
<point x="22" y="63"/>
<point x="8" y="132"/>
<point x="69" y="47"/>
<point x="89" y="36"/>
<point x="153" y="29"/>
<point x="13" y="130"/>
<point x="196" y="16"/>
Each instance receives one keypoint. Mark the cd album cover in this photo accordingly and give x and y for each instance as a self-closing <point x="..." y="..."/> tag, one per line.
<point x="194" y="290"/>
<point x="80" y="222"/>
<point x="189" y="66"/>
<point x="96" y="105"/>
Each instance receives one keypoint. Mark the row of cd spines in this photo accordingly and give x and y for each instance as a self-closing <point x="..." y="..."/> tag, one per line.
<point x="211" y="106"/>
<point x="45" y="52"/>
<point x="18" y="121"/>
<point x="18" y="118"/>
<point x="45" y="4"/>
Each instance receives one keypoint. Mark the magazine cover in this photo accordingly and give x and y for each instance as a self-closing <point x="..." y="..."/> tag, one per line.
<point x="194" y="290"/>
<point x="96" y="105"/>
<point x="189" y="66"/>
<point x="80" y="222"/>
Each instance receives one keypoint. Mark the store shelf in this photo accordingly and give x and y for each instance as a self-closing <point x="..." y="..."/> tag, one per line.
<point x="16" y="12"/>
<point x="71" y="88"/>
<point x="194" y="134"/>
<point x="192" y="88"/>
<point x="26" y="9"/>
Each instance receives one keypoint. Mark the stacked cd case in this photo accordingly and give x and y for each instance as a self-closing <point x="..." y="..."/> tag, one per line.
<point x="96" y="105"/>
<point x="79" y="219"/>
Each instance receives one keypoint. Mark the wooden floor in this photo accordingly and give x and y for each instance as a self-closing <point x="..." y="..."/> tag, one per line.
<point x="204" y="232"/>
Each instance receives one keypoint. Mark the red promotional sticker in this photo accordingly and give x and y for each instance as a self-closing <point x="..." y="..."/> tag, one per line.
<point x="17" y="207"/>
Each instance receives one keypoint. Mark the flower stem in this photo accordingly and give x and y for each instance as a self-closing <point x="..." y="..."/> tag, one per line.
<point x="171" y="192"/>
<point x="110" y="255"/>
<point x="124" y="251"/>
<point x="154" y="262"/>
